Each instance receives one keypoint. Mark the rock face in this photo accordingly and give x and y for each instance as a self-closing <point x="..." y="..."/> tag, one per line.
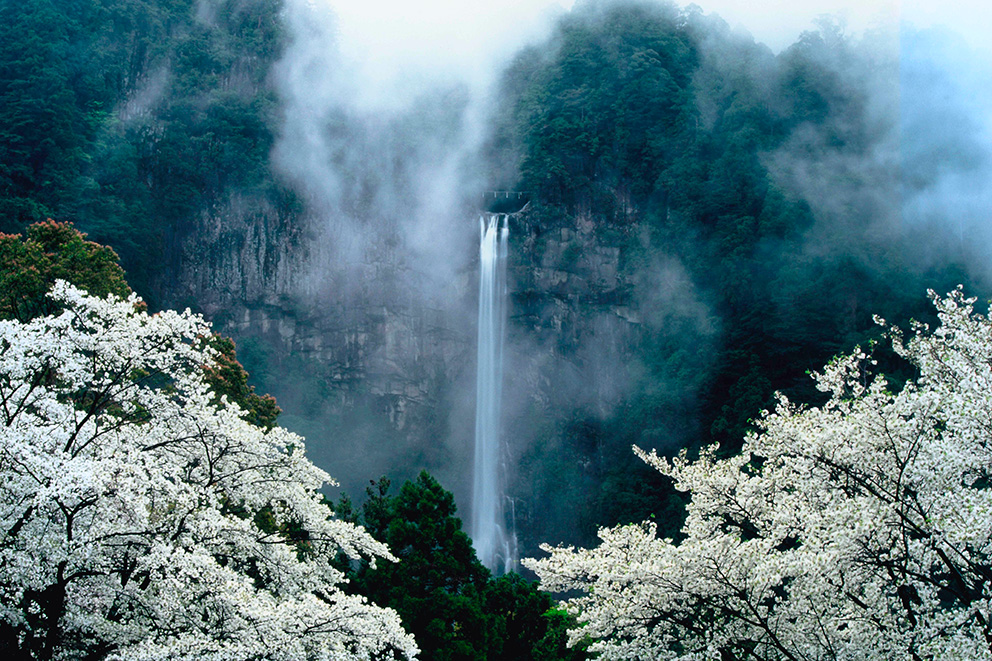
<point x="380" y="378"/>
<point x="574" y="327"/>
<point x="571" y="298"/>
<point x="363" y="364"/>
<point x="242" y="254"/>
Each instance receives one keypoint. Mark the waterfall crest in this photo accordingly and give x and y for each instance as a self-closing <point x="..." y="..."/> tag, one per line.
<point x="492" y="533"/>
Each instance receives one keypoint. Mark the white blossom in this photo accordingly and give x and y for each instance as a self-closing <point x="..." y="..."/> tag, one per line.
<point x="860" y="529"/>
<point x="128" y="505"/>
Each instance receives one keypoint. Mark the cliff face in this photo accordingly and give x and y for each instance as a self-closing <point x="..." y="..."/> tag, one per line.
<point x="574" y="330"/>
<point x="240" y="255"/>
<point x="380" y="377"/>
<point x="363" y="363"/>
<point x="571" y="299"/>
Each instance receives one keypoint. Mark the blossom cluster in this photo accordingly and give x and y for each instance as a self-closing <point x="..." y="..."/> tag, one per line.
<point x="859" y="529"/>
<point x="142" y="520"/>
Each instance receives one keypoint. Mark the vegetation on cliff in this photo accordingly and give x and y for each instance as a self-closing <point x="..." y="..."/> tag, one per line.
<point x="697" y="153"/>
<point x="130" y="118"/>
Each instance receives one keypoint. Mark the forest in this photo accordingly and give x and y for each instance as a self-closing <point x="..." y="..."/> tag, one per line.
<point x="703" y="226"/>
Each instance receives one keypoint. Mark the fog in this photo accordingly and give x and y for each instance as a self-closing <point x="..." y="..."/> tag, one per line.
<point x="387" y="104"/>
<point x="387" y="108"/>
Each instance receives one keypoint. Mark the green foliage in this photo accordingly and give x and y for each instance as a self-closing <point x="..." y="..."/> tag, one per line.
<point x="525" y="623"/>
<point x="604" y="116"/>
<point x="44" y="121"/>
<point x="131" y="117"/>
<point x="228" y="378"/>
<point x="445" y="597"/>
<point x="53" y="251"/>
<point x="438" y="584"/>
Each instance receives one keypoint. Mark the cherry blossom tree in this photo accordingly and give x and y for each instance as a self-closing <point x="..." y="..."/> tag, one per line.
<point x="859" y="529"/>
<point x="143" y="519"/>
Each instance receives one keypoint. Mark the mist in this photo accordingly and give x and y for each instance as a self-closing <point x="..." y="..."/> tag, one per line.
<point x="387" y="130"/>
<point x="383" y="114"/>
<point x="946" y="139"/>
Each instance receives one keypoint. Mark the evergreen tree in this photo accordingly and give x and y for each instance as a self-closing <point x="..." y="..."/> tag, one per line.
<point x="445" y="597"/>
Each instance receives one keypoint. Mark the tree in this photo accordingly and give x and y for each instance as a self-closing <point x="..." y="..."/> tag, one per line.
<point x="58" y="251"/>
<point x="228" y="378"/>
<point x="524" y="624"/>
<point x="142" y="519"/>
<point x="438" y="586"/>
<point x="445" y="597"/>
<point x="53" y="251"/>
<point x="859" y="529"/>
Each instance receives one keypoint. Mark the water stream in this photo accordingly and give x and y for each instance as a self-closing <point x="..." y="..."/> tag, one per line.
<point x="492" y="532"/>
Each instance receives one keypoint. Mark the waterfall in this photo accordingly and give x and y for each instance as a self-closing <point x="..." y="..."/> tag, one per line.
<point x="492" y="534"/>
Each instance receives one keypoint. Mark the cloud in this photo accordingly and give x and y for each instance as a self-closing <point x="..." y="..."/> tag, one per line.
<point x="946" y="145"/>
<point x="398" y="48"/>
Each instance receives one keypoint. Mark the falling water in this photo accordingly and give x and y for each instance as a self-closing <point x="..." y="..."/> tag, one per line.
<point x="494" y="539"/>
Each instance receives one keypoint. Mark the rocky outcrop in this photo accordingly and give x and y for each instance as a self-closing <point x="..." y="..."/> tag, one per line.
<point x="240" y="255"/>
